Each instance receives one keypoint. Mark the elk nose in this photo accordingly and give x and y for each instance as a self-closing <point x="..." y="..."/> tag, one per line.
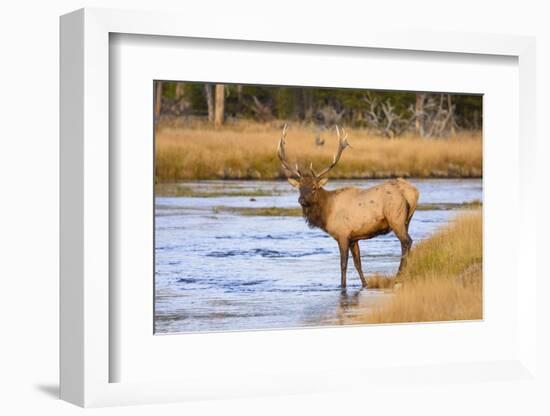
<point x="302" y="201"/>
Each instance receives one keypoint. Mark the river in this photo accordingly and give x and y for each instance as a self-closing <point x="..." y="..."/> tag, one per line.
<point x="219" y="266"/>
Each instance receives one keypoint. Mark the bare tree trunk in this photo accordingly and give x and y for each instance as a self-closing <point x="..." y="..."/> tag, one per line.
<point x="220" y="104"/>
<point x="179" y="90"/>
<point x="209" y="101"/>
<point x="158" y="100"/>
<point x="298" y="103"/>
<point x="419" y="114"/>
<point x="240" y="98"/>
<point x="451" y="115"/>
<point x="476" y="120"/>
<point x="308" y="104"/>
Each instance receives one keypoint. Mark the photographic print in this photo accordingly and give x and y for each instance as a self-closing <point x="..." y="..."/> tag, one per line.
<point x="281" y="207"/>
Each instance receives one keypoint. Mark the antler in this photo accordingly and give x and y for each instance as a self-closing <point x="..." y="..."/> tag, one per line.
<point x="282" y="156"/>
<point x="342" y="144"/>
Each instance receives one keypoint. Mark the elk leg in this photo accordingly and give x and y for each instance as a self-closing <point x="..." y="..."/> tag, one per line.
<point x="344" y="247"/>
<point x="354" y="248"/>
<point x="406" y="243"/>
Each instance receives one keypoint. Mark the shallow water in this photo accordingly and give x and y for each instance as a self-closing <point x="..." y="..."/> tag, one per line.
<point x="217" y="270"/>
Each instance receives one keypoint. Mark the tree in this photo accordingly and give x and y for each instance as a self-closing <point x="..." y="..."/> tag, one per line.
<point x="391" y="113"/>
<point x="435" y="115"/>
<point x="158" y="100"/>
<point x="209" y="101"/>
<point x="419" y="114"/>
<point x="382" y="116"/>
<point x="307" y="94"/>
<point x="220" y="104"/>
<point x="179" y="90"/>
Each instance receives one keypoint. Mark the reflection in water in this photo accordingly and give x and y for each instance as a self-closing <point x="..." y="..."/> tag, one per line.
<point x="352" y="303"/>
<point x="218" y="270"/>
<point x="349" y="300"/>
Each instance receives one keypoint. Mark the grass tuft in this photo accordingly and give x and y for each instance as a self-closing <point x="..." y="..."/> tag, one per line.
<point x="380" y="281"/>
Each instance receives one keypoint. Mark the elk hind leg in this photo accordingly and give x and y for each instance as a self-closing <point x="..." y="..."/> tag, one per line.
<point x="402" y="233"/>
<point x="354" y="248"/>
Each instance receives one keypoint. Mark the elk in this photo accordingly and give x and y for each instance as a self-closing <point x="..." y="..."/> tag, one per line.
<point x="352" y="214"/>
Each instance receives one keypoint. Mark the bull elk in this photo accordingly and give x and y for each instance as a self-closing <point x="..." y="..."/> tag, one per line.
<point x="352" y="214"/>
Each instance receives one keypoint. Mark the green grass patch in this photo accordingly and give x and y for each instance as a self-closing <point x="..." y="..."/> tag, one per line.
<point x="261" y="211"/>
<point x="448" y="206"/>
<point x="297" y="212"/>
<point x="178" y="190"/>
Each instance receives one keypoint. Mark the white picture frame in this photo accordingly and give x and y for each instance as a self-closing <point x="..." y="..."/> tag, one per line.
<point x="86" y="305"/>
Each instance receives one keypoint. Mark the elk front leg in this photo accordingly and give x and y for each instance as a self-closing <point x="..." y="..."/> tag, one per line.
<point x="344" y="247"/>
<point x="354" y="248"/>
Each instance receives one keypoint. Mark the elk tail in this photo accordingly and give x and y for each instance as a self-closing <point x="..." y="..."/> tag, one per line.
<point x="412" y="200"/>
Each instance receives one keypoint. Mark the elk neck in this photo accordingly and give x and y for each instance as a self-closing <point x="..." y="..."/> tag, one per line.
<point x="316" y="213"/>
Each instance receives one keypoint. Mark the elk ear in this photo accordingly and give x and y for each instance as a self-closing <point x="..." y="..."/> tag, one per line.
<point x="293" y="182"/>
<point x="322" y="182"/>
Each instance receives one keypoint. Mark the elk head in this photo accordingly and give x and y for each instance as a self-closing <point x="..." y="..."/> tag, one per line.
<point x="309" y="182"/>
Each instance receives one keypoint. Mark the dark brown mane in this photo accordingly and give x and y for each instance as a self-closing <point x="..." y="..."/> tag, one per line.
<point x="315" y="214"/>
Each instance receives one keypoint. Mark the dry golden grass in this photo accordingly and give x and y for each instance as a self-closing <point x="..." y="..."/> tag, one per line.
<point x="431" y="300"/>
<point x="442" y="280"/>
<point x="246" y="150"/>
<point x="380" y="281"/>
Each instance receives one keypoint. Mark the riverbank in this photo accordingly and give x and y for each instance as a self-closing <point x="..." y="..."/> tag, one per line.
<point x="442" y="280"/>
<point x="248" y="151"/>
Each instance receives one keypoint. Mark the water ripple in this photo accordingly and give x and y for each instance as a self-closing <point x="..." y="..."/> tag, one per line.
<point x="262" y="252"/>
